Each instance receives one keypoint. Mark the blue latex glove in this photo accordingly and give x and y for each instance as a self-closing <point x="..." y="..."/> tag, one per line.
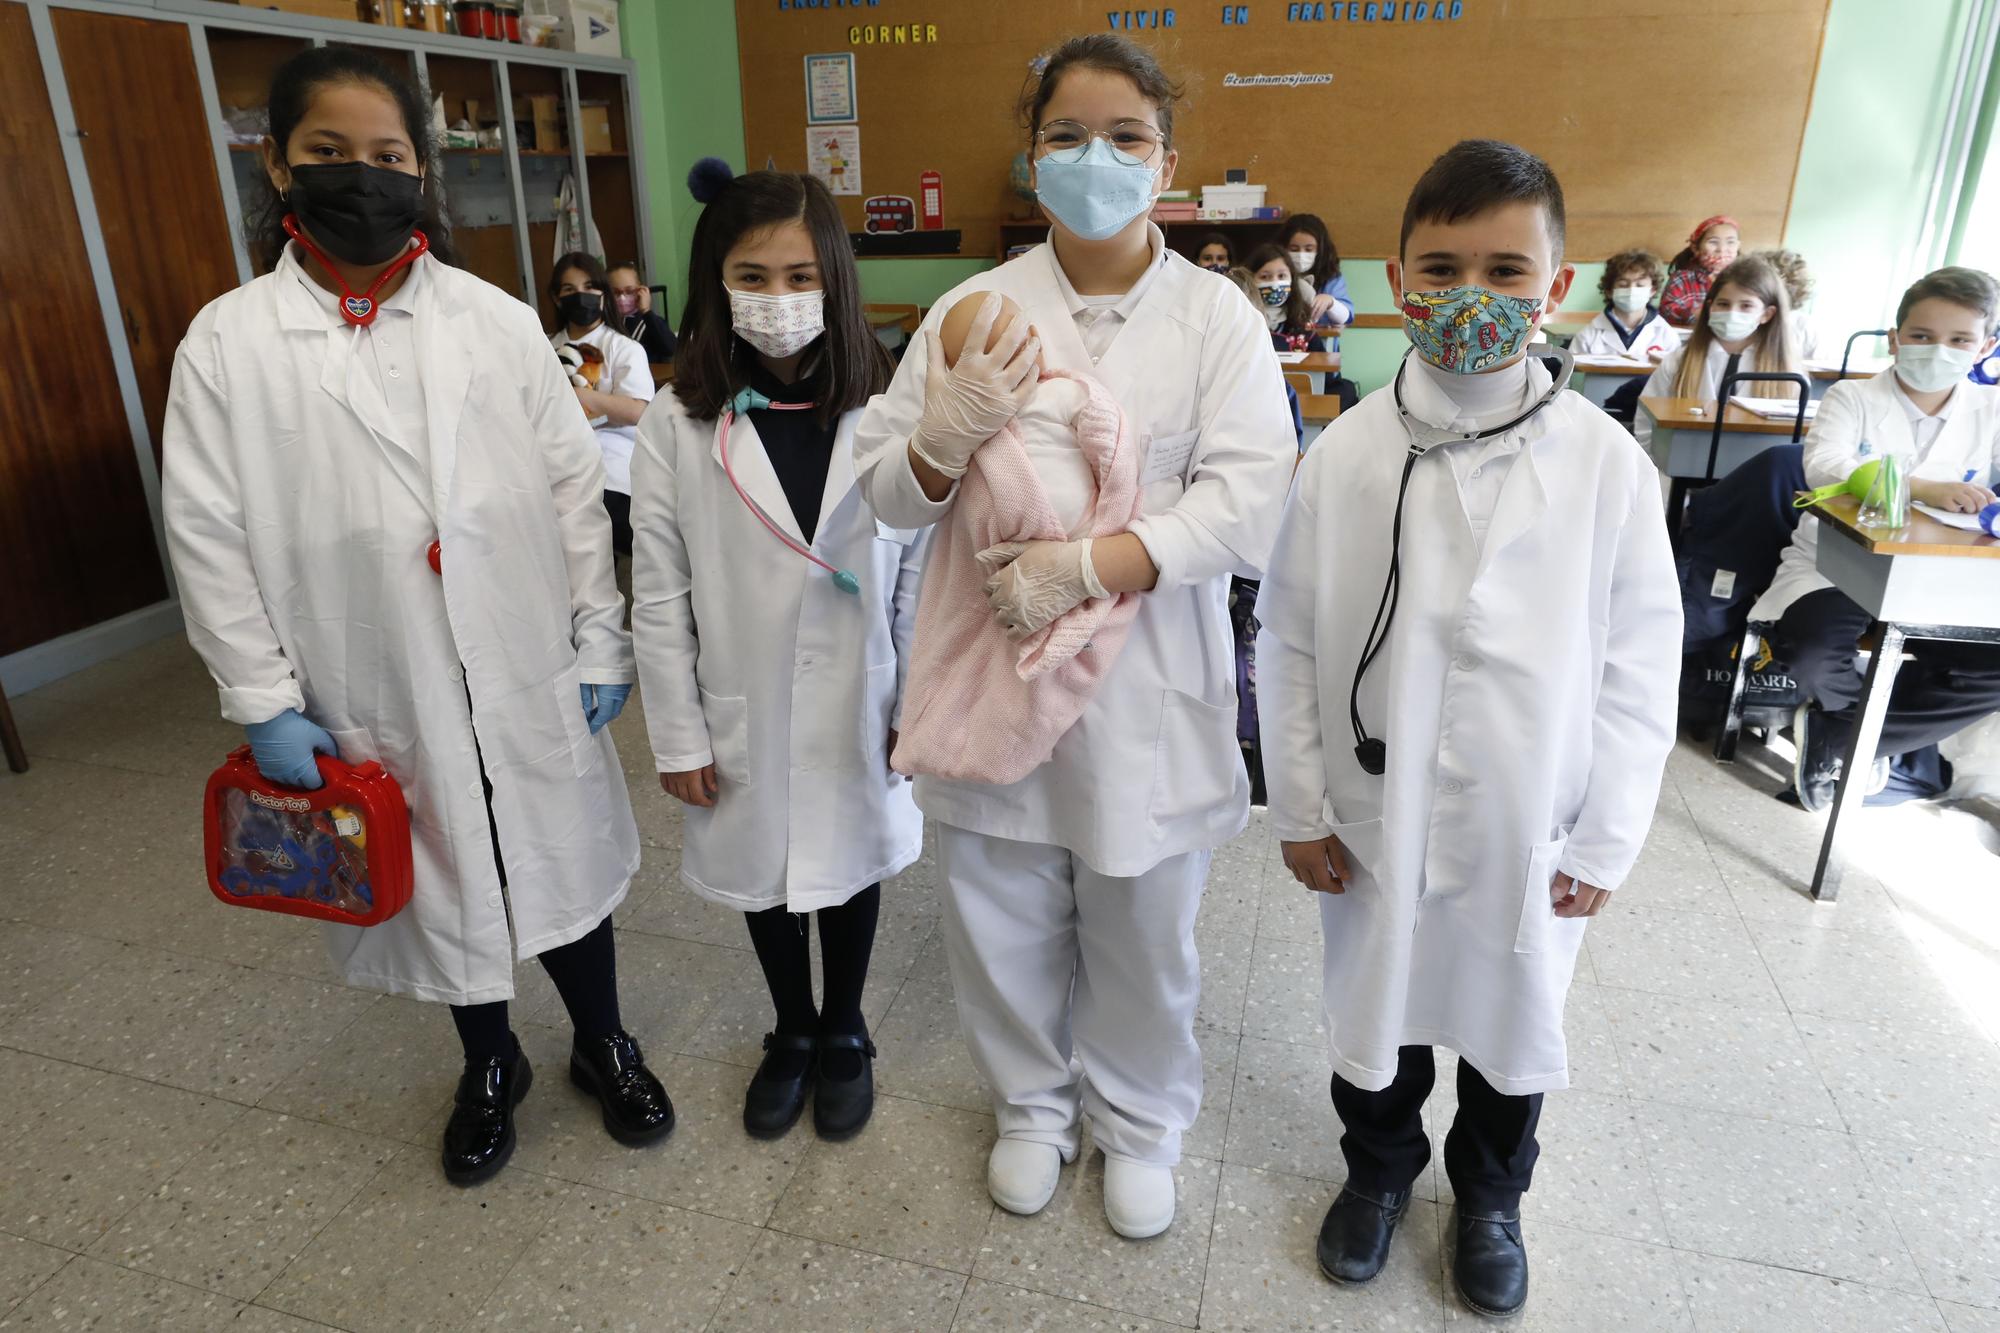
<point x="284" y="748"/>
<point x="602" y="703"/>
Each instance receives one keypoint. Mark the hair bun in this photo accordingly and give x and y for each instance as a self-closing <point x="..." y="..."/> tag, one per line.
<point x="708" y="178"/>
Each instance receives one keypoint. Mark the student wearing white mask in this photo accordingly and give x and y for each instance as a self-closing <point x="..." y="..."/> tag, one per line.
<point x="1630" y="324"/>
<point x="1946" y="431"/>
<point x="772" y="614"/>
<point x="1744" y="326"/>
<point x="1070" y="896"/>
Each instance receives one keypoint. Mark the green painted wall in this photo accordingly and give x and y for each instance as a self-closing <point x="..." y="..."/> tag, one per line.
<point x="691" y="101"/>
<point x="1871" y="138"/>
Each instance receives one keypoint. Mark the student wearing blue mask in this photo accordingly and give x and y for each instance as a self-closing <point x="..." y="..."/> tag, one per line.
<point x="1467" y="668"/>
<point x="1070" y="895"/>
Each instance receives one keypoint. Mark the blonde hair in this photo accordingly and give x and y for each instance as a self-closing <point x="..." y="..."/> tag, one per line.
<point x="1246" y="282"/>
<point x="1771" y="343"/>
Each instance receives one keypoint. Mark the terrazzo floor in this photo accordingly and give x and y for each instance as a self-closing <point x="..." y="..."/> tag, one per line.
<point x="1785" y="1116"/>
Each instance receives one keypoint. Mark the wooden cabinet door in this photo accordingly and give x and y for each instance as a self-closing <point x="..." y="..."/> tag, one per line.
<point x="137" y="98"/>
<point x="76" y="541"/>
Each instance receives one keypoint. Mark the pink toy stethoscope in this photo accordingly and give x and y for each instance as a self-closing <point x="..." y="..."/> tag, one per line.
<point x="749" y="400"/>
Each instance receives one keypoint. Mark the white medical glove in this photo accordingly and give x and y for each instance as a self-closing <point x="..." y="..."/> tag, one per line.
<point x="1031" y="583"/>
<point x="965" y="404"/>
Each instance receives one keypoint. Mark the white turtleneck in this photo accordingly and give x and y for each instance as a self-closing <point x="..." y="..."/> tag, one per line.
<point x="1480" y="467"/>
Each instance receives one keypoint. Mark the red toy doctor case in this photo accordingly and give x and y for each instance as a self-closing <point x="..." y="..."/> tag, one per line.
<point x="341" y="853"/>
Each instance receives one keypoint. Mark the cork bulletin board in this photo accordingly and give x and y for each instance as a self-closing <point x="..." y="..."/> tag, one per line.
<point x="1655" y="113"/>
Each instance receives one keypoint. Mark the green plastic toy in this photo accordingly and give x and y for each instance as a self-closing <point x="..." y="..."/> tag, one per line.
<point x="1857" y="485"/>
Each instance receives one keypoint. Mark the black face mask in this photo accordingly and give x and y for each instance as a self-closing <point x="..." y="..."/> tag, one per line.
<point x="580" y="310"/>
<point x="356" y="212"/>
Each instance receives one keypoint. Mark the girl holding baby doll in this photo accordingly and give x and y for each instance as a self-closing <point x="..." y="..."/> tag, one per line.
<point x="1070" y="894"/>
<point x="772" y="617"/>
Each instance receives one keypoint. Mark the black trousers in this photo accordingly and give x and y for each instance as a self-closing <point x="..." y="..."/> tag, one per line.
<point x="1943" y="688"/>
<point x="1489" y="1154"/>
<point x="619" y="506"/>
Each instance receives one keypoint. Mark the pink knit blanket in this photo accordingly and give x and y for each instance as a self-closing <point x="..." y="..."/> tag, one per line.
<point x="977" y="708"/>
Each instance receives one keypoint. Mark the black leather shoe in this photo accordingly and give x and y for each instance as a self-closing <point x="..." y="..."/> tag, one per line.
<point x="479" y="1137"/>
<point x="1354" y="1238"/>
<point x="842" y="1106"/>
<point x="1491" y="1266"/>
<point x="777" y="1094"/>
<point x="611" y="1069"/>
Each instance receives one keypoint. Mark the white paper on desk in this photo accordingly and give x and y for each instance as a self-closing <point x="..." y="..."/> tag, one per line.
<point x="1970" y="522"/>
<point x="1773" y="407"/>
<point x="1290" y="358"/>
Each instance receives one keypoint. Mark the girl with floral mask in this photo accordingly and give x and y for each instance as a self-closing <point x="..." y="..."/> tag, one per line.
<point x="1284" y="302"/>
<point x="1712" y="247"/>
<point x="773" y="616"/>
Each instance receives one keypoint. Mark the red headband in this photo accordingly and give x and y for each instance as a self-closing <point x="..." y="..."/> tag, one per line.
<point x="1719" y="220"/>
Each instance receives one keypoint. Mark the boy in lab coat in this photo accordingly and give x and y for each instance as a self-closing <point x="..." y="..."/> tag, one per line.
<point x="1466" y="783"/>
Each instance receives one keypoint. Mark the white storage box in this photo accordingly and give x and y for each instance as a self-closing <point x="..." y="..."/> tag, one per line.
<point x="1231" y="200"/>
<point x="589" y="26"/>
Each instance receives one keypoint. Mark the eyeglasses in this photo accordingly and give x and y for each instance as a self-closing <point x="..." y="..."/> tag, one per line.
<point x="1134" y="142"/>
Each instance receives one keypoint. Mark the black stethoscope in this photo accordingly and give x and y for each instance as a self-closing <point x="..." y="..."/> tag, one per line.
<point x="1372" y="752"/>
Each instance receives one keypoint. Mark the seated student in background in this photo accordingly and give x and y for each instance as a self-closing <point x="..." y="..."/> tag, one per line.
<point x="1287" y="309"/>
<point x="1744" y="326"/>
<point x="1511" y="736"/>
<point x="1630" y="324"/>
<point x="615" y="392"/>
<point x="1798" y="280"/>
<point x="1215" y="253"/>
<point x="1711" y="248"/>
<point x="636" y="316"/>
<point x="1246" y="282"/>
<point x="1309" y="246"/>
<point x="1947" y="432"/>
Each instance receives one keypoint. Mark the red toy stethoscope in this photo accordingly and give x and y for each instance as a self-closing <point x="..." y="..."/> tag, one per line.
<point x="749" y="400"/>
<point x="359" y="309"/>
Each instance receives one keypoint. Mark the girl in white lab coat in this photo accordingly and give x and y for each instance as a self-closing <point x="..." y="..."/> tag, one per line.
<point x="1745" y="326"/>
<point x="1070" y="896"/>
<point x="773" y="623"/>
<point x="383" y="509"/>
<point x="580" y="290"/>
<point x="1466" y="679"/>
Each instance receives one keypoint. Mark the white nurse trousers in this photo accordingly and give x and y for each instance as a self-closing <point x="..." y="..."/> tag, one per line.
<point x="1077" y="991"/>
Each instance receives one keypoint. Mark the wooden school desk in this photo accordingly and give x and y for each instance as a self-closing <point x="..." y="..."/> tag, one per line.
<point x="1825" y="374"/>
<point x="1926" y="581"/>
<point x="1318" y="365"/>
<point x="1681" y="432"/>
<point x="1598" y="378"/>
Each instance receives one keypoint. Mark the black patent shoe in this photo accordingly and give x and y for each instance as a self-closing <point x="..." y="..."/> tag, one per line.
<point x="1491" y="1266"/>
<point x="777" y="1094"/>
<point x="479" y="1137"/>
<point x="611" y="1069"/>
<point x="842" y="1106"/>
<point x="1354" y="1238"/>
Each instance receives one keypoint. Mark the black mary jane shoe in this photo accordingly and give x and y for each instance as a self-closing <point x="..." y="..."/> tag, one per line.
<point x="841" y="1106"/>
<point x="777" y="1093"/>
<point x="479" y="1137"/>
<point x="1491" y="1265"/>
<point x="611" y="1069"/>
<point x="1354" y="1238"/>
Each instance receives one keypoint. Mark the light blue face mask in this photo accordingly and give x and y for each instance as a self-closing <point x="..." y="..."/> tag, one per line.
<point x="1096" y="195"/>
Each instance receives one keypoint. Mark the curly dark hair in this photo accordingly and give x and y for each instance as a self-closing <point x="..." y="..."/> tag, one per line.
<point x="1624" y="262"/>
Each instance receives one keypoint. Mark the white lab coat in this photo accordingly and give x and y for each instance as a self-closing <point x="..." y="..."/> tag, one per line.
<point x="1152" y="768"/>
<point x="1863" y="419"/>
<point x="628" y="374"/>
<point x="1660" y="384"/>
<point x="1527" y="698"/>
<point x="299" y="538"/>
<point x="1600" y="337"/>
<point x="753" y="660"/>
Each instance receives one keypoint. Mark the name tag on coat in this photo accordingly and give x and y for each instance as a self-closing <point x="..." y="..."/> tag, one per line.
<point x="1168" y="457"/>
